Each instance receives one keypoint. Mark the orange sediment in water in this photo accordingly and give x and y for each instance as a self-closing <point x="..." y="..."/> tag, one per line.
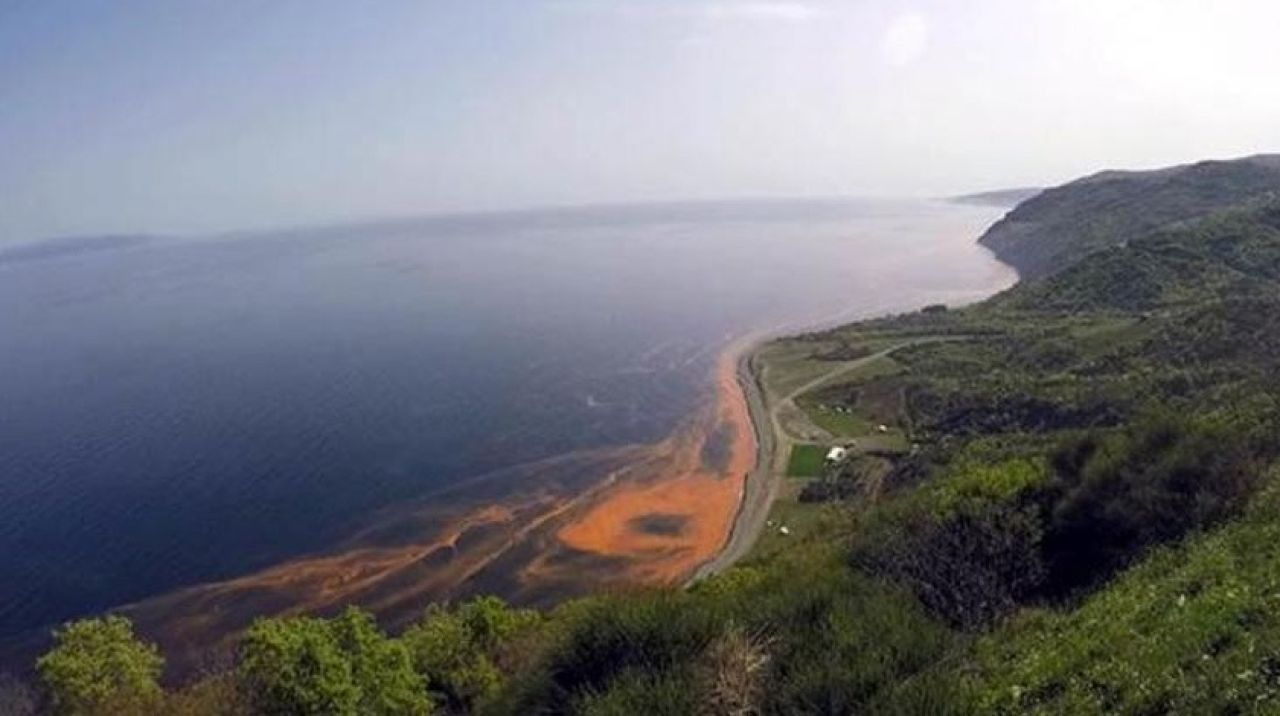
<point x="666" y="526"/>
<point x="629" y="515"/>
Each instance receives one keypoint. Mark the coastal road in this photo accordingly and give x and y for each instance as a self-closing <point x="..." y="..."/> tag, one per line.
<point x="772" y="447"/>
<point x="761" y="485"/>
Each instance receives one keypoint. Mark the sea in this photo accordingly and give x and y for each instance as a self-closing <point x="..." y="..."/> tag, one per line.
<point x="192" y="410"/>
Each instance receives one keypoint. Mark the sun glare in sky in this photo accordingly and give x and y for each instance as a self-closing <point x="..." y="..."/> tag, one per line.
<point x="906" y="39"/>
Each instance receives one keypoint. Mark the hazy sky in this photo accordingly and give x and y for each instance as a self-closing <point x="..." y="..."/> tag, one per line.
<point x="173" y="116"/>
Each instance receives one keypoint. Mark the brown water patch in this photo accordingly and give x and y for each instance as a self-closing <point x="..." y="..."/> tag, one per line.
<point x="659" y="524"/>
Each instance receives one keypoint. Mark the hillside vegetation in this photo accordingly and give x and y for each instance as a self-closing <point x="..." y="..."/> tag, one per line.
<point x="1056" y="228"/>
<point x="1087" y="521"/>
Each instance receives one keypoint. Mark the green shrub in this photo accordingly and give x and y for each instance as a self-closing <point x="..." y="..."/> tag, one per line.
<point x="97" y="666"/>
<point x="458" y="653"/>
<point x="970" y="567"/>
<point x="305" y="665"/>
<point x="638" y="691"/>
<point x="838" y="639"/>
<point x="967" y="546"/>
<point x="618" y="650"/>
<point x="659" y="631"/>
<point x="1114" y="495"/>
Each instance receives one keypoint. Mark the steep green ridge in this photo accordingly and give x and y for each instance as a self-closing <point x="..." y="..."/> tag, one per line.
<point x="1057" y="227"/>
<point x="1088" y="521"/>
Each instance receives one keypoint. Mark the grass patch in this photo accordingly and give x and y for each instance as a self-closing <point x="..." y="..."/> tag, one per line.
<point x="840" y="424"/>
<point x="831" y="407"/>
<point x="788" y="364"/>
<point x="880" y="367"/>
<point x="893" y="441"/>
<point x="803" y="520"/>
<point x="1193" y="629"/>
<point x="806" y="460"/>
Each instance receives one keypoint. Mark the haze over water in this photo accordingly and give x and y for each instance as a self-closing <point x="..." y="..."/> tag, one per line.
<point x="178" y="412"/>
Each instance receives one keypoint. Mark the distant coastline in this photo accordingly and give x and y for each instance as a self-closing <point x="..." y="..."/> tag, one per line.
<point x="1003" y="198"/>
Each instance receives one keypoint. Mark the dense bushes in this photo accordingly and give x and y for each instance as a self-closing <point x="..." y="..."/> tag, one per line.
<point x="305" y="665"/>
<point x="452" y="659"/>
<point x="969" y="547"/>
<point x="1114" y="495"/>
<point x="1194" y="629"/>
<point x="462" y="654"/>
<point x="97" y="666"/>
<point x="839" y="639"/>
<point x="803" y="634"/>
<point x="986" y="539"/>
<point x="639" y="643"/>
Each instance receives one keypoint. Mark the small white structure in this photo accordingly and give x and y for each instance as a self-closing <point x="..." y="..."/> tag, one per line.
<point x="784" y="531"/>
<point x="882" y="428"/>
<point x="836" y="454"/>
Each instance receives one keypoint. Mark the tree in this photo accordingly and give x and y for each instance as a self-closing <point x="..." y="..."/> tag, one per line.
<point x="455" y="651"/>
<point x="305" y="665"/>
<point x="382" y="668"/>
<point x="449" y="659"/>
<point x="491" y="621"/>
<point x="97" y="665"/>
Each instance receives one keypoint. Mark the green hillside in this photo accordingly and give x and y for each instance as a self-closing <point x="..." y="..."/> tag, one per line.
<point x="1059" y="226"/>
<point x="1088" y="521"/>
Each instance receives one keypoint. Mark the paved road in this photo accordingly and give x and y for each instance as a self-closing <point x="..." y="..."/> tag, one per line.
<point x="761" y="486"/>
<point x="772" y="446"/>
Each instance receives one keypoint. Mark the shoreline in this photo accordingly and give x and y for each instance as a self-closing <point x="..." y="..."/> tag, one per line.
<point x="760" y="484"/>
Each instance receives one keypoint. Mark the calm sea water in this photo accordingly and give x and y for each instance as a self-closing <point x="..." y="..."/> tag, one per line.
<point x="179" y="411"/>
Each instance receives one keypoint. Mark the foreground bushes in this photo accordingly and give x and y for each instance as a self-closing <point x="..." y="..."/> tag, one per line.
<point x="988" y="538"/>
<point x="305" y="665"/>
<point x="451" y="659"/>
<point x="1115" y="495"/>
<point x="462" y="654"/>
<point x="1193" y="629"/>
<point x="968" y="547"/>
<point x="98" y="666"/>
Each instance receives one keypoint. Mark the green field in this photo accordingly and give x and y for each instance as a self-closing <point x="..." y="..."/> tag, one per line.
<point x="803" y="521"/>
<point x="837" y="423"/>
<point x="852" y="422"/>
<point x="806" y="461"/>
<point x="878" y="368"/>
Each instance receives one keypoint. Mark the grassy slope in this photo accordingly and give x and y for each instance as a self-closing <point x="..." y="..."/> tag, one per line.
<point x="1193" y="629"/>
<point x="1188" y="320"/>
<point x="1176" y="615"/>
